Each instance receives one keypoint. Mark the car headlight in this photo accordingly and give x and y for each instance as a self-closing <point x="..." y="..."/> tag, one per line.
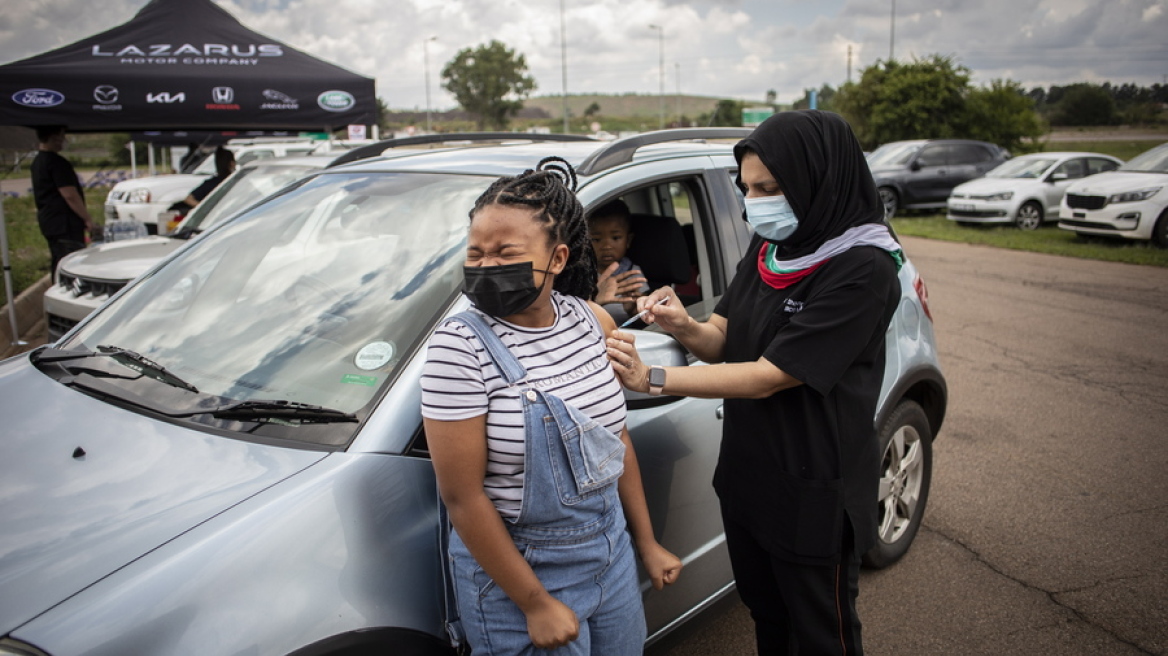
<point x="1134" y="196"/>
<point x="1005" y="195"/>
<point x="140" y="196"/>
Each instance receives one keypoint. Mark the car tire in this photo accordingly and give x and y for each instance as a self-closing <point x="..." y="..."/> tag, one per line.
<point x="1160" y="232"/>
<point x="1029" y="216"/>
<point x="891" y="201"/>
<point x="906" y="469"/>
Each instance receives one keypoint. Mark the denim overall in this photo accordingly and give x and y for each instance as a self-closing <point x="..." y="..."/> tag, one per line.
<point x="571" y="530"/>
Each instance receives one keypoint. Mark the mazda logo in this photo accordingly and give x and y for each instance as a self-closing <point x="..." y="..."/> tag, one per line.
<point x="222" y="95"/>
<point x="105" y="94"/>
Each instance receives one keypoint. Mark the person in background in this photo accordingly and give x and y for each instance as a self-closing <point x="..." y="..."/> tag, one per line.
<point x="224" y="165"/>
<point x="525" y="422"/>
<point x="800" y="337"/>
<point x="59" y="197"/>
<point x="620" y="282"/>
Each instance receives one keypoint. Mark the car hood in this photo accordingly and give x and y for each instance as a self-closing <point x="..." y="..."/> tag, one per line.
<point x="1102" y="184"/>
<point x="161" y="183"/>
<point x="984" y="186"/>
<point x="119" y="260"/>
<point x="70" y="518"/>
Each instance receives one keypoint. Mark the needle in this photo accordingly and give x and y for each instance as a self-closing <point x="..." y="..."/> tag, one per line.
<point x="641" y="314"/>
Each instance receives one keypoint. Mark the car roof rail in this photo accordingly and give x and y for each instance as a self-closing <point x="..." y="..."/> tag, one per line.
<point x="375" y="149"/>
<point x="621" y="151"/>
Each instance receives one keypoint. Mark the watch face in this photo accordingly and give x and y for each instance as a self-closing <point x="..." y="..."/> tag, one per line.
<point x="657" y="377"/>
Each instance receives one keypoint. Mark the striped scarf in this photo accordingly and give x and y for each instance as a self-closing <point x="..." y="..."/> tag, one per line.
<point x="781" y="274"/>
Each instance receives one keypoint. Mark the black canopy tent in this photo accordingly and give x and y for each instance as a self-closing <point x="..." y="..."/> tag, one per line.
<point x="182" y="65"/>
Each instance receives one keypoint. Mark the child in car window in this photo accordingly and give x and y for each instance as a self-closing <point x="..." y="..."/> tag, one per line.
<point x="620" y="282"/>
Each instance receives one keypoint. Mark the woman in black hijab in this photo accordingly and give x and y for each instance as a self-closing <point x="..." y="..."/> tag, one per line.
<point x="800" y="335"/>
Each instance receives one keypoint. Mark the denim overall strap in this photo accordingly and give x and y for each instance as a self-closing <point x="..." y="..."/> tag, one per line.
<point x="507" y="364"/>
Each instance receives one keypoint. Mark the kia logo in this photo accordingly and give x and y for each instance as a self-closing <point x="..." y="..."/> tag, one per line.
<point x="166" y="97"/>
<point x="38" y="98"/>
<point x="223" y="95"/>
<point x="105" y="94"/>
<point x="336" y="101"/>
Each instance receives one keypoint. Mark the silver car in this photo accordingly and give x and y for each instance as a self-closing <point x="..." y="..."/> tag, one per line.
<point x="228" y="457"/>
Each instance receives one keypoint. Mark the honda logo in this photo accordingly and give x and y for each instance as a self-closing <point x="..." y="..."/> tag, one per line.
<point x="223" y="95"/>
<point x="166" y="97"/>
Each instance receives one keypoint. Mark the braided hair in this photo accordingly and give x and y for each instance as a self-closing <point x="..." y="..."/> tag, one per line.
<point x="550" y="191"/>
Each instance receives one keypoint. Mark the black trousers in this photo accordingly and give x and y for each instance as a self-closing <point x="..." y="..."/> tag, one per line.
<point x="61" y="246"/>
<point x="807" y="610"/>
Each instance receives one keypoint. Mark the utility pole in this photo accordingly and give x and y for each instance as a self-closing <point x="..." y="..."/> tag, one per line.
<point x="849" y="62"/>
<point x="426" y="67"/>
<point x="661" y="93"/>
<point x="892" y="33"/>
<point x="564" y="64"/>
<point x="677" y="71"/>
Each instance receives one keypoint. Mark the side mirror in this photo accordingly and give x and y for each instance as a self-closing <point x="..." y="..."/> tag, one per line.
<point x="1057" y="177"/>
<point x="915" y="166"/>
<point x="655" y="349"/>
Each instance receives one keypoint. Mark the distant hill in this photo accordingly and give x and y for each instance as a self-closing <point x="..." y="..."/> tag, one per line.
<point x="625" y="105"/>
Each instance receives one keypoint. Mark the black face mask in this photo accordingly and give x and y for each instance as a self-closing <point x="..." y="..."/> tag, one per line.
<point x="502" y="290"/>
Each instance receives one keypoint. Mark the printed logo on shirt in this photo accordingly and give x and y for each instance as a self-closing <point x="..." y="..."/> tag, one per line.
<point x="792" y="306"/>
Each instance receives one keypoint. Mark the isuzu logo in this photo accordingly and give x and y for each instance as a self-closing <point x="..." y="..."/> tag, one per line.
<point x="222" y="95"/>
<point x="336" y="101"/>
<point x="166" y="97"/>
<point x="38" y="98"/>
<point x="105" y="94"/>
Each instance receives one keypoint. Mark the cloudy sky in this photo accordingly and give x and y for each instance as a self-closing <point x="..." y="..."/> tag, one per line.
<point x="735" y="48"/>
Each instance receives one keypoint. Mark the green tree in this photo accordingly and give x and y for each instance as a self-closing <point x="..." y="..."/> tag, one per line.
<point x="727" y="113"/>
<point x="823" y="99"/>
<point x="1085" y="104"/>
<point x="1003" y="114"/>
<point x="490" y="82"/>
<point x="592" y="110"/>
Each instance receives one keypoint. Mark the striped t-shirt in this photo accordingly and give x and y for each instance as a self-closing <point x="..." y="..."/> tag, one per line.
<point x="566" y="359"/>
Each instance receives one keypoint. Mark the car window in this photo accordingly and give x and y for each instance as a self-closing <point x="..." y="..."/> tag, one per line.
<point x="1151" y="161"/>
<point x="1072" y="168"/>
<point x="1099" y="165"/>
<point x="1022" y="167"/>
<point x="252" y="155"/>
<point x="933" y="156"/>
<point x="246" y="187"/>
<point x="967" y="154"/>
<point x="897" y="153"/>
<point x="312" y="297"/>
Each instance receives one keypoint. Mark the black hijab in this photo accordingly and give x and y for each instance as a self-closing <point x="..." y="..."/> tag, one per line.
<point x="821" y="169"/>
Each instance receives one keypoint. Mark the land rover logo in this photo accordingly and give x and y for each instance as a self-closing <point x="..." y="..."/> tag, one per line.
<point x="45" y="98"/>
<point x="336" y="101"/>
<point x="105" y="94"/>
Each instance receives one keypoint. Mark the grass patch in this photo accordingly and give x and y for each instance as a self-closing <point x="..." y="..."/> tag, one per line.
<point x="28" y="250"/>
<point x="1047" y="239"/>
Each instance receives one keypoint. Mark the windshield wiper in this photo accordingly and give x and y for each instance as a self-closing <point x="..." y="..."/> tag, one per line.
<point x="124" y="357"/>
<point x="261" y="410"/>
<point x="186" y="233"/>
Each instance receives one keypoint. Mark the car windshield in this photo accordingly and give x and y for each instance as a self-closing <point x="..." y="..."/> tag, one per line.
<point x="244" y="188"/>
<point x="1152" y="161"/>
<point x="312" y="297"/>
<point x="894" y="154"/>
<point x="1023" y="167"/>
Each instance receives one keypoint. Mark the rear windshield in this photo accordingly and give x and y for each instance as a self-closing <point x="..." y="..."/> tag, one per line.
<point x="1153" y="161"/>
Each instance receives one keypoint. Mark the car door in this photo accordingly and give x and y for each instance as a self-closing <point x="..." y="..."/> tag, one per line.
<point x="1057" y="182"/>
<point x="927" y="177"/>
<point x="677" y="439"/>
<point x="965" y="162"/>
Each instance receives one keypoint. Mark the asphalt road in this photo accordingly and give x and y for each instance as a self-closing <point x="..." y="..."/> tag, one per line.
<point x="1047" y="525"/>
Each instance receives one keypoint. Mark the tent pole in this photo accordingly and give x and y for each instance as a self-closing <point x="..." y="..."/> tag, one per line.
<point x="16" y="340"/>
<point x="150" y="158"/>
<point x="133" y="159"/>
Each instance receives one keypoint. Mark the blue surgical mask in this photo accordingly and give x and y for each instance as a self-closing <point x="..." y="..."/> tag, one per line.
<point x="772" y="217"/>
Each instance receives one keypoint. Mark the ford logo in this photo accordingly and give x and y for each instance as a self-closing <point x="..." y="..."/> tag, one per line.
<point x="336" y="101"/>
<point x="38" y="98"/>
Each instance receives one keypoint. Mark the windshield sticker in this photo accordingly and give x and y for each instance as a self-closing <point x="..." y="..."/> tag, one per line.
<point x="358" y="379"/>
<point x="374" y="356"/>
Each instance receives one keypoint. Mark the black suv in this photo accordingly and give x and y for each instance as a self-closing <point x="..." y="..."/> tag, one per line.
<point x="920" y="174"/>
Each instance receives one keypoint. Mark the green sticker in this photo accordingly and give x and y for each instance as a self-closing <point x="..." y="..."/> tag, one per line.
<point x="357" y="379"/>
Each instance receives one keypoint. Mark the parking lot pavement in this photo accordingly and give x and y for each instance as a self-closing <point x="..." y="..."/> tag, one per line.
<point x="1047" y="524"/>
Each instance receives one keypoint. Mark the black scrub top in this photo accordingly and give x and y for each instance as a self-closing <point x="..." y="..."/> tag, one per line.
<point x="50" y="171"/>
<point x="794" y="466"/>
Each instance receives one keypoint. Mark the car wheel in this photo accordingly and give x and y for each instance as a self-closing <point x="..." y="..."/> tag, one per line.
<point x="1029" y="216"/>
<point x="890" y="200"/>
<point x="905" y="471"/>
<point x="1160" y="232"/>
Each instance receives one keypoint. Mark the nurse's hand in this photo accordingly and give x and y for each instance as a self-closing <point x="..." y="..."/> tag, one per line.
<point x="552" y="624"/>
<point x="626" y="362"/>
<point x="671" y="315"/>
<point x="662" y="566"/>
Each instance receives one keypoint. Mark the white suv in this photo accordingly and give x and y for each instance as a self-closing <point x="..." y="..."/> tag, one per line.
<point x="1130" y="202"/>
<point x="146" y="200"/>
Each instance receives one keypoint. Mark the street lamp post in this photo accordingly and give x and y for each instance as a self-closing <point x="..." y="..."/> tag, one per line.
<point x="564" y="64"/>
<point x="661" y="39"/>
<point x="892" y="32"/>
<point x="426" y="67"/>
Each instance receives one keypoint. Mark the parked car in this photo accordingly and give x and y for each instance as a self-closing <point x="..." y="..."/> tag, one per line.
<point x="87" y="278"/>
<point x="228" y="457"/>
<point x="1025" y="190"/>
<point x="145" y="200"/>
<point x="920" y="174"/>
<point x="1130" y="202"/>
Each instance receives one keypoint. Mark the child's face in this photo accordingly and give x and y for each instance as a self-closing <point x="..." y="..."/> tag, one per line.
<point x="610" y="239"/>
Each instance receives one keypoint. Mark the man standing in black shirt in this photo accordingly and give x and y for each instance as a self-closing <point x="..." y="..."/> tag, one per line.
<point x="60" y="201"/>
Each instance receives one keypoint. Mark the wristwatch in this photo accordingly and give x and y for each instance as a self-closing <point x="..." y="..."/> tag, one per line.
<point x="656" y="381"/>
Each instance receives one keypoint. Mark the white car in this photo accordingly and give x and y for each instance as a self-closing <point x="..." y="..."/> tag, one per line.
<point x="1130" y="202"/>
<point x="147" y="200"/>
<point x="1026" y="190"/>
